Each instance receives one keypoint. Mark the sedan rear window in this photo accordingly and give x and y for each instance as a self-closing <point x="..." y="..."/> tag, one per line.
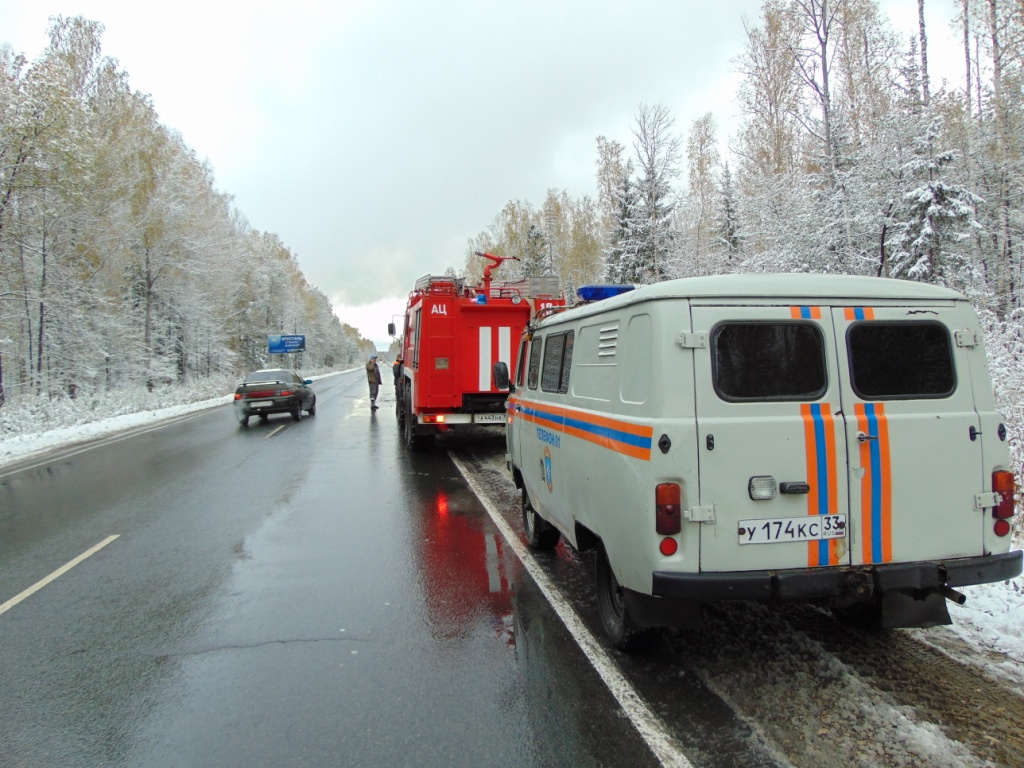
<point x="757" y="361"/>
<point x="262" y="376"/>
<point x="893" y="361"/>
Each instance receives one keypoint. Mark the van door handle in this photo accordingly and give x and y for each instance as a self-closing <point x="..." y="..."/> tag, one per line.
<point x="796" y="488"/>
<point x="863" y="437"/>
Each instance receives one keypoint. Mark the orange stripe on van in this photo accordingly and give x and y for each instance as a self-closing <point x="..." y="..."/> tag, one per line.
<point x="620" y="436"/>
<point x="833" y="480"/>
<point x="812" y="474"/>
<point x="823" y="498"/>
<point x="883" y="445"/>
<point x="858" y="313"/>
<point x="876" y="483"/>
<point x="805" y="313"/>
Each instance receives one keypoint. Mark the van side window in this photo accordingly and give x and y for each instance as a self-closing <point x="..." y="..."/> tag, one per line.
<point x="535" y="347"/>
<point x="557" y="360"/>
<point x="521" y="367"/>
<point x="900" y="360"/>
<point x="768" y="361"/>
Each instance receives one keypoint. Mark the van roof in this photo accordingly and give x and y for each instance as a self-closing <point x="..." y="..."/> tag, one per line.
<point x="795" y="286"/>
<point x="792" y="285"/>
<point x="798" y="285"/>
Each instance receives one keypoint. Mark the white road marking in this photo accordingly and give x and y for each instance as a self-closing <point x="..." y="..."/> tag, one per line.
<point x="275" y="432"/>
<point x="647" y="724"/>
<point x="55" y="575"/>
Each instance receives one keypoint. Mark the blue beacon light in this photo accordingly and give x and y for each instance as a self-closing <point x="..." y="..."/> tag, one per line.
<point x="598" y="292"/>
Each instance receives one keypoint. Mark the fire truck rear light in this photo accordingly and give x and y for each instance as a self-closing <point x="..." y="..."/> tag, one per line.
<point x="668" y="547"/>
<point x="1003" y="483"/>
<point x="1002" y="527"/>
<point x="433" y="418"/>
<point x="667" y="507"/>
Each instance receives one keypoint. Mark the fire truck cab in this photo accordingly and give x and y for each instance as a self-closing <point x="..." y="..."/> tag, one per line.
<point x="451" y="337"/>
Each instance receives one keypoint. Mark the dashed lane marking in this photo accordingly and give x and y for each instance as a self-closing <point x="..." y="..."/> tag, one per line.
<point x="55" y="575"/>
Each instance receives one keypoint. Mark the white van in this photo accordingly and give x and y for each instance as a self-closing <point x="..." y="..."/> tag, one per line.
<point x="765" y="437"/>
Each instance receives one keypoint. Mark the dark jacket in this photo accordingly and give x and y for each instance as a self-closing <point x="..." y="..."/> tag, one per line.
<point x="373" y="372"/>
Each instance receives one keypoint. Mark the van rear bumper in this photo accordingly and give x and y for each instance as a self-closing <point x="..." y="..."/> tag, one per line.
<point x="813" y="583"/>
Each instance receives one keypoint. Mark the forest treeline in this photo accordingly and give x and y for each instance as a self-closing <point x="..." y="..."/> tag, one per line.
<point x="121" y="265"/>
<point x="849" y="158"/>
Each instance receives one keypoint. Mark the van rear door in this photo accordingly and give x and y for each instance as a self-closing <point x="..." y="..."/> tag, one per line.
<point x="911" y="433"/>
<point x="773" y="486"/>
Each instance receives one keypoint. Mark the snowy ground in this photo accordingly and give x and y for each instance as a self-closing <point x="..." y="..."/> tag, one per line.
<point x="991" y="624"/>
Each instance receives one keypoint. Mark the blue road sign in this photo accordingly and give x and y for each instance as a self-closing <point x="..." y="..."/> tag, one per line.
<point x="282" y="344"/>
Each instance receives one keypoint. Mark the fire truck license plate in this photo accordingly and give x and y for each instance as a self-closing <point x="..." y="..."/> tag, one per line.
<point x="489" y="418"/>
<point x="783" y="529"/>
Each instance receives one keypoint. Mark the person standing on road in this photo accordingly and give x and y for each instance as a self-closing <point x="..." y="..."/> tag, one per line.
<point x="373" y="377"/>
<point x="397" y="369"/>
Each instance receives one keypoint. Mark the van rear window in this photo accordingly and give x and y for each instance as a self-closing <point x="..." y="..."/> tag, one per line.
<point x="768" y="361"/>
<point x="893" y="361"/>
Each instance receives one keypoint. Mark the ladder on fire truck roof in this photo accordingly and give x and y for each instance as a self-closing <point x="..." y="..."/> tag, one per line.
<point x="536" y="286"/>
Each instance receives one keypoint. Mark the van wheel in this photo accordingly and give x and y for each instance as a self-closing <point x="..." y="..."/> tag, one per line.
<point x="611" y="606"/>
<point x="540" y="534"/>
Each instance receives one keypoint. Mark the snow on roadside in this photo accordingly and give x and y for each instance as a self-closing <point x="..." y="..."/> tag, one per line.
<point x="991" y="623"/>
<point x="31" y="444"/>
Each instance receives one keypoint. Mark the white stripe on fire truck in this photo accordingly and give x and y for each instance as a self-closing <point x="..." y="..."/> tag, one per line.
<point x="483" y="377"/>
<point x="487" y="359"/>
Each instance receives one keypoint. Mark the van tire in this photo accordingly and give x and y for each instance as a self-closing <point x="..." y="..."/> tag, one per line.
<point x="611" y="606"/>
<point x="540" y="534"/>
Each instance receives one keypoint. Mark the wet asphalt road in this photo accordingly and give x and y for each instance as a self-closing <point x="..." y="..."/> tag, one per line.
<point x="291" y="594"/>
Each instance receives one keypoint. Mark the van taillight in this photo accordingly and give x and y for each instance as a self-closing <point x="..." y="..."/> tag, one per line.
<point x="667" y="501"/>
<point x="1004" y="485"/>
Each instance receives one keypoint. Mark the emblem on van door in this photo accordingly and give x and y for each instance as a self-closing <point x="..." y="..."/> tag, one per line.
<point x="546" y="465"/>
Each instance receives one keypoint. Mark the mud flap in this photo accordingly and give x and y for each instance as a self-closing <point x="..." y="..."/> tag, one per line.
<point x="647" y="611"/>
<point x="900" y="610"/>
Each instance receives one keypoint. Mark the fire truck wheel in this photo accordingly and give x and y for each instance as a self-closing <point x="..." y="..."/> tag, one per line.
<point x="611" y="606"/>
<point x="539" y="533"/>
<point x="413" y="440"/>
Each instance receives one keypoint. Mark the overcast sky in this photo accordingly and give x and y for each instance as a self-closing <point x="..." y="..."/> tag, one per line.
<point x="376" y="137"/>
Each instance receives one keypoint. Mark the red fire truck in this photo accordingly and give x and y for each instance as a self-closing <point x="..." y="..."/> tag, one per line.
<point x="451" y="338"/>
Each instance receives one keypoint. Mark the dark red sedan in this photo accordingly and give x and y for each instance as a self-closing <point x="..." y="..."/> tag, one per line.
<point x="274" y="390"/>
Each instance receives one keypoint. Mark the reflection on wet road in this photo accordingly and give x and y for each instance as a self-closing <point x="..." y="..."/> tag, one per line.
<point x="321" y="597"/>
